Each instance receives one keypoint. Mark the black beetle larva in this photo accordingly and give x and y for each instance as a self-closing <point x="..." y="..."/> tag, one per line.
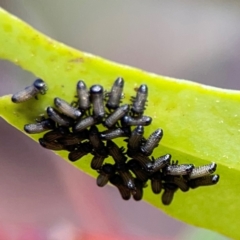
<point x="138" y="194"/>
<point x="42" y="126"/>
<point x="84" y="123"/>
<point x="126" y="176"/>
<point x="178" y="170"/>
<point x="156" y="182"/>
<point x="135" y="139"/>
<point x="179" y="181"/>
<point x="140" y="100"/>
<point x="168" y="194"/>
<point x="66" y="108"/>
<point x="82" y="150"/>
<point x="204" y="181"/>
<point x="202" y="171"/>
<point x="74" y="138"/>
<point x="99" y="155"/>
<point x="115" y="152"/>
<point x="114" y="97"/>
<point x="83" y="96"/>
<point x="137" y="169"/>
<point x="152" y="142"/>
<point x="96" y="95"/>
<point x="97" y="161"/>
<point x="94" y="138"/>
<point x="106" y="171"/>
<point x="58" y="117"/>
<point x="116" y="115"/>
<point x="56" y="134"/>
<point x="38" y="86"/>
<point x="51" y="145"/>
<point x="117" y="181"/>
<point x="160" y="162"/>
<point x="145" y="161"/>
<point x="52" y="135"/>
<point x="114" y="133"/>
<point x="130" y="121"/>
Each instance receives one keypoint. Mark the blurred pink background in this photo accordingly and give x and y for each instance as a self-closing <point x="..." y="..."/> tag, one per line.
<point x="45" y="198"/>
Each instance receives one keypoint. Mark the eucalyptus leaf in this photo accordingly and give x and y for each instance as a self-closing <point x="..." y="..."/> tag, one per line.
<point x="201" y="124"/>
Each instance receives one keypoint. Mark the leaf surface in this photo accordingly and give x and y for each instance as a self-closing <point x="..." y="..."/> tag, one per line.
<point x="201" y="124"/>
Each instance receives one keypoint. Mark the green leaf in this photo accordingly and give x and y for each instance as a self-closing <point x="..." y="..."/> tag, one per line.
<point x="201" y="124"/>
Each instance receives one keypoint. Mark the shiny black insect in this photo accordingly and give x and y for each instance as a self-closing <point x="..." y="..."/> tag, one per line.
<point x="138" y="171"/>
<point x="178" y="170"/>
<point x="58" y="117"/>
<point x="178" y="181"/>
<point x="112" y="119"/>
<point x="52" y="145"/>
<point x="117" y="181"/>
<point x="202" y="171"/>
<point x="156" y="182"/>
<point x="139" y="102"/>
<point x="84" y="123"/>
<point x="135" y="140"/>
<point x="66" y="108"/>
<point x="74" y="138"/>
<point x="105" y="173"/>
<point x="97" y="160"/>
<point x="96" y="95"/>
<point x="99" y="155"/>
<point x="115" y="95"/>
<point x="130" y="121"/>
<point x="41" y="126"/>
<point x="56" y="134"/>
<point x="168" y="194"/>
<point x="38" y="86"/>
<point x="114" y="133"/>
<point x="138" y="193"/>
<point x="204" y="181"/>
<point x="145" y="161"/>
<point x="82" y="150"/>
<point x="115" y="152"/>
<point x="160" y="162"/>
<point x="83" y="96"/>
<point x="94" y="138"/>
<point x="152" y="142"/>
<point x="126" y="176"/>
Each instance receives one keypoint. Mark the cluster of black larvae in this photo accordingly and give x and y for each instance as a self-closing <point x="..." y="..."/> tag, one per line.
<point x="75" y="128"/>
